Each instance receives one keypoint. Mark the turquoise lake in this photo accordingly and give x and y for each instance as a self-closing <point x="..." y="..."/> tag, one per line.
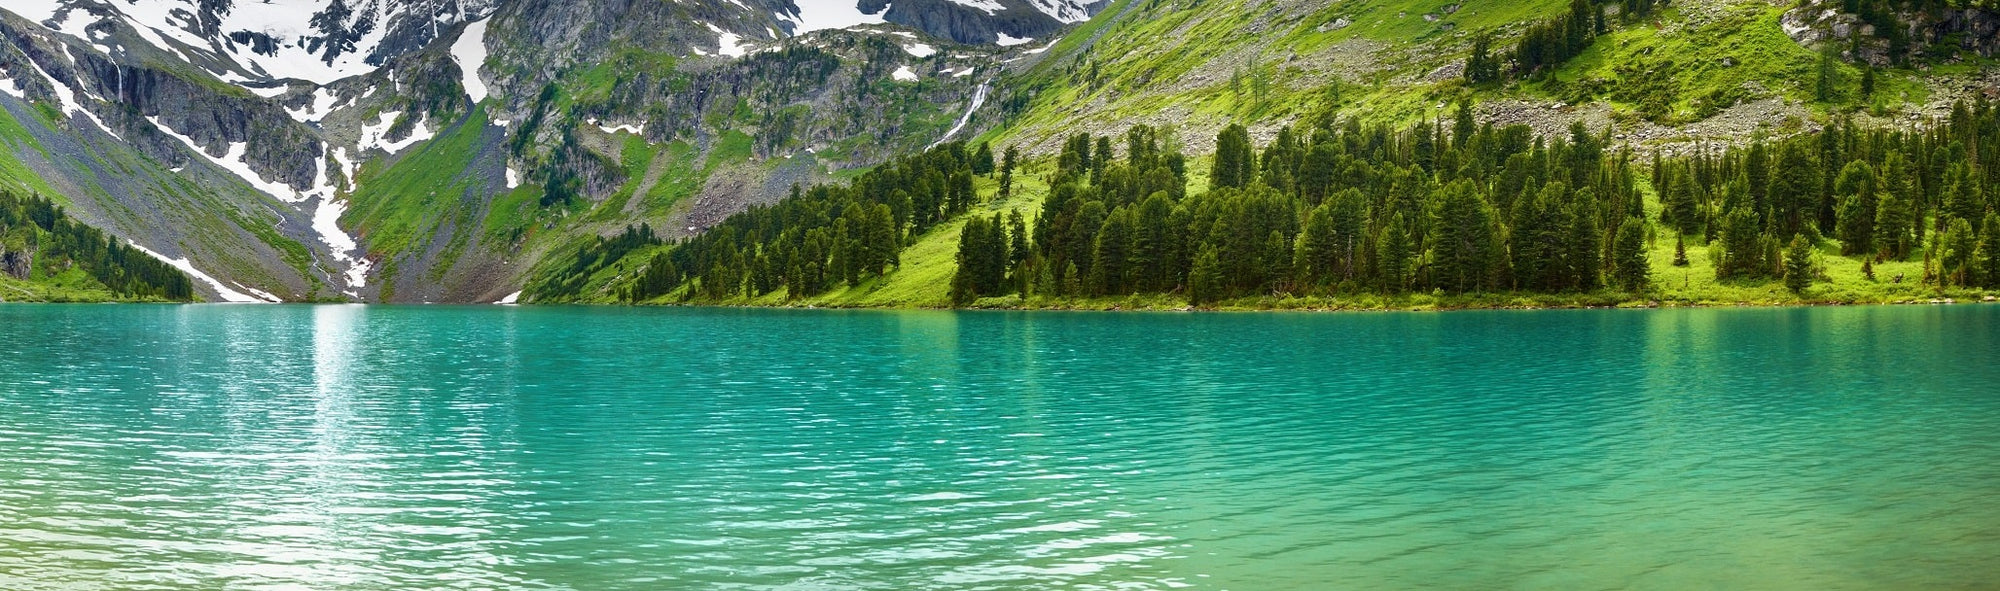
<point x="352" y="447"/>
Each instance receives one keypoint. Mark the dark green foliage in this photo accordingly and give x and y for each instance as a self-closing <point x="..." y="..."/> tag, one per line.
<point x="1858" y="199"/>
<point x="982" y="159"/>
<point x="1007" y="171"/>
<point x="1896" y="211"/>
<point x="1235" y="165"/>
<point x="804" y="244"/>
<point x="1799" y="264"/>
<point x="1482" y="67"/>
<point x="1466" y="254"/>
<point x="1960" y="263"/>
<point x="1824" y="78"/>
<point x="1631" y="267"/>
<point x="1794" y="189"/>
<point x="35" y="233"/>
<point x="1205" y="282"/>
<point x="982" y="260"/>
<point x="1742" y="249"/>
<point x="1548" y="44"/>
<point x="1988" y="256"/>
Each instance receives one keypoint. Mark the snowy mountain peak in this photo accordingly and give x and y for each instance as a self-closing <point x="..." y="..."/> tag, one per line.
<point x="264" y="40"/>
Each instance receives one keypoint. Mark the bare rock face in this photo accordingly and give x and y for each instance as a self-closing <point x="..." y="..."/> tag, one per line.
<point x="1821" y="25"/>
<point x="16" y="264"/>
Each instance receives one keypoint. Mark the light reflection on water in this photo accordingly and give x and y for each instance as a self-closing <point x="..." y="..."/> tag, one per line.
<point x="350" y="447"/>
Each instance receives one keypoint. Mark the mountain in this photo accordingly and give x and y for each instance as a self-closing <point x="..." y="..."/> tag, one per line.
<point x="430" y="151"/>
<point x="456" y="151"/>
<point x="1274" y="153"/>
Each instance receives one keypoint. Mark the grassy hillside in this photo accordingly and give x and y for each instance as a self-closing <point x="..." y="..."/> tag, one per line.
<point x="1659" y="81"/>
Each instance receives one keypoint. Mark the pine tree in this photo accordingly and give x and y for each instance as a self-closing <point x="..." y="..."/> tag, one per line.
<point x="1798" y="264"/>
<point x="1628" y="251"/>
<point x="1680" y="251"/>
<point x="1585" y="241"/>
<point x="1392" y="258"/>
<point x="1895" y="210"/>
<point x="1960" y="246"/>
<point x="1465" y="254"/>
<point x="1007" y="172"/>
<point x="1742" y="246"/>
<point x="1482" y="66"/>
<point x="1856" y="190"/>
<point x="1205" y="281"/>
<point x="983" y="158"/>
<point x="1100" y="159"/>
<point x="1234" y="162"/>
<point x="1988" y="256"/>
<point x="1793" y="189"/>
<point x="972" y="253"/>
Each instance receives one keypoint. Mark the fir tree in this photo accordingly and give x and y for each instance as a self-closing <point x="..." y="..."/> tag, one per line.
<point x="1855" y="187"/>
<point x="1205" y="282"/>
<point x="1466" y="250"/>
<point x="1234" y="162"/>
<point x="982" y="159"/>
<point x="1960" y="257"/>
<point x="1628" y="251"/>
<point x="1007" y="171"/>
<point x="1798" y="264"/>
<point x="1988" y="255"/>
<point x="1393" y="256"/>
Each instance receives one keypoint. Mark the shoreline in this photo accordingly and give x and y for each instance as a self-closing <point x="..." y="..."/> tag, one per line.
<point x="1310" y="305"/>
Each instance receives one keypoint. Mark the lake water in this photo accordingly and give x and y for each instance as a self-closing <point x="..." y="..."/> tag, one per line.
<point x="349" y="447"/>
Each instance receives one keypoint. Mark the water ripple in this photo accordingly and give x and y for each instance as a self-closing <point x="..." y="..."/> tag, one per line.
<point x="340" y="447"/>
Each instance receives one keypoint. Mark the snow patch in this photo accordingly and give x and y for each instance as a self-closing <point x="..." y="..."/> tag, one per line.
<point x="1010" y="41"/>
<point x="322" y="105"/>
<point x="639" y="130"/>
<point x="818" y="15"/>
<point x="235" y="164"/>
<point x="375" y="136"/>
<point x="1067" y="11"/>
<point x="470" y="53"/>
<point x="272" y="92"/>
<point x="12" y="88"/>
<point x="326" y="222"/>
<point x="920" y="50"/>
<point x="904" y="74"/>
<point x="513" y="178"/>
<point x="228" y="295"/>
<point x="70" y="98"/>
<point x="511" y="299"/>
<point x="727" y="43"/>
<point x="989" y="6"/>
<point x="1051" y="45"/>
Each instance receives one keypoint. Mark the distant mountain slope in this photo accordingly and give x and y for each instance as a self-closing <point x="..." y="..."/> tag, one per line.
<point x="1686" y="72"/>
<point x="431" y="151"/>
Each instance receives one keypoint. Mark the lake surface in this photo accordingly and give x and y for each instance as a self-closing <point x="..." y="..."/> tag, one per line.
<point x="350" y="447"/>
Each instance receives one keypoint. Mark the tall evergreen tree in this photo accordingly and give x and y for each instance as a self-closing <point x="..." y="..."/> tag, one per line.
<point x="1855" y="188"/>
<point x="982" y="159"/>
<point x="1013" y="155"/>
<point x="1960" y="245"/>
<point x="1465" y="252"/>
<point x="1235" y="163"/>
<point x="1798" y="264"/>
<point x="1628" y="251"/>
<point x="1392" y="257"/>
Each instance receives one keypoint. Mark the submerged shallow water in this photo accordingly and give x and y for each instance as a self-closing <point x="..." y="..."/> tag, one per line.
<point x="349" y="447"/>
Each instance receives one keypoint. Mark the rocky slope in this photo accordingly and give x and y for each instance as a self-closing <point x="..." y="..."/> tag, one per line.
<point x="432" y="151"/>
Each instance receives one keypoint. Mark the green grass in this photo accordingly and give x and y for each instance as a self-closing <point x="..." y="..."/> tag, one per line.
<point x="400" y="207"/>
